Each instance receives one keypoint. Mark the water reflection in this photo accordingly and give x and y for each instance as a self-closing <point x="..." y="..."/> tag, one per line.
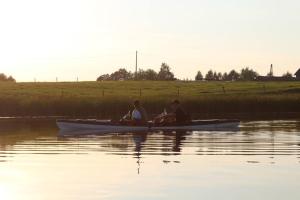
<point x="254" y="138"/>
<point x="36" y="163"/>
<point x="139" y="139"/>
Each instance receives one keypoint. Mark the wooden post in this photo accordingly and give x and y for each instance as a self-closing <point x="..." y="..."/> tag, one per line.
<point x="264" y="88"/>
<point x="224" y="91"/>
<point x="140" y="92"/>
<point x="103" y="92"/>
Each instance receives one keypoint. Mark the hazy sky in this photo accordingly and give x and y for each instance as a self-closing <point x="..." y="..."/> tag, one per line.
<point x="86" y="38"/>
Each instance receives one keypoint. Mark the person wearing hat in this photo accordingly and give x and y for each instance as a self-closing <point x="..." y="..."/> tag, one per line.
<point x="181" y="117"/>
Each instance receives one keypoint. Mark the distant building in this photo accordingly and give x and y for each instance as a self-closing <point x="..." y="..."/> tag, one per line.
<point x="297" y="74"/>
<point x="271" y="77"/>
<point x="275" y="78"/>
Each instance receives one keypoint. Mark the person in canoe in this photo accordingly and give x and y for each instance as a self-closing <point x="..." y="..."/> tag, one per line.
<point x="138" y="116"/>
<point x="177" y="117"/>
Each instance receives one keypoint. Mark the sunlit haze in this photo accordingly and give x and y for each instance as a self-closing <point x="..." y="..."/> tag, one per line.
<point x="85" y="38"/>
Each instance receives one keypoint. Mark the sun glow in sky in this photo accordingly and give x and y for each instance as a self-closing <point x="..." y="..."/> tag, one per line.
<point x="46" y="39"/>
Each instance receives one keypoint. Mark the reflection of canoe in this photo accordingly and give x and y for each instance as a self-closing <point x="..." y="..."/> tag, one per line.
<point x="109" y="127"/>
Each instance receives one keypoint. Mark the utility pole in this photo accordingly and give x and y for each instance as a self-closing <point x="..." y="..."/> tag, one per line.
<point x="136" y="64"/>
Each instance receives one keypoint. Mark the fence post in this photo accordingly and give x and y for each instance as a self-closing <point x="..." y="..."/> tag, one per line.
<point x="103" y="92"/>
<point x="224" y="91"/>
<point x="264" y="88"/>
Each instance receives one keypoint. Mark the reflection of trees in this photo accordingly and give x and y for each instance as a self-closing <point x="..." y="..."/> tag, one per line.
<point x="13" y="132"/>
<point x="16" y="131"/>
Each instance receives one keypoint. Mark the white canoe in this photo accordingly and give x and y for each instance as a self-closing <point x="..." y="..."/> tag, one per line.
<point x="106" y="126"/>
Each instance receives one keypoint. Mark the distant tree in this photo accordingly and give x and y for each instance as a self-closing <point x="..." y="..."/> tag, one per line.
<point x="141" y="75"/>
<point x="248" y="74"/>
<point x="225" y="77"/>
<point x="104" y="77"/>
<point x="209" y="76"/>
<point x="150" y="74"/>
<point x="233" y="75"/>
<point x="215" y="76"/>
<point x="219" y="76"/>
<point x="199" y="76"/>
<point x="3" y="78"/>
<point x="287" y="75"/>
<point x="11" y="79"/>
<point x="121" y="74"/>
<point x="165" y="73"/>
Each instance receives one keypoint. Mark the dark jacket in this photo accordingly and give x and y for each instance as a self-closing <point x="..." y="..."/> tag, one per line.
<point x="181" y="116"/>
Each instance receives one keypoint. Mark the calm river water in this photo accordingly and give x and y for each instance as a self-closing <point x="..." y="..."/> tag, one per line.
<point x="260" y="161"/>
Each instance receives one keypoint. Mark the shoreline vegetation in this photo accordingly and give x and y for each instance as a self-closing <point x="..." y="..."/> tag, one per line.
<point x="112" y="99"/>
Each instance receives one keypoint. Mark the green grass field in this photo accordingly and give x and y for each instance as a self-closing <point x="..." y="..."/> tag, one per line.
<point x="111" y="99"/>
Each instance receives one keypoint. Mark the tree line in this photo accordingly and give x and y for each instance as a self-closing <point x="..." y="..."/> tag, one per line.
<point x="246" y="74"/>
<point x="4" y="78"/>
<point x="164" y="74"/>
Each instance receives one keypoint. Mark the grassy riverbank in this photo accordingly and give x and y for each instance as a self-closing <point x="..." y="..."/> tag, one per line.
<point x="108" y="99"/>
